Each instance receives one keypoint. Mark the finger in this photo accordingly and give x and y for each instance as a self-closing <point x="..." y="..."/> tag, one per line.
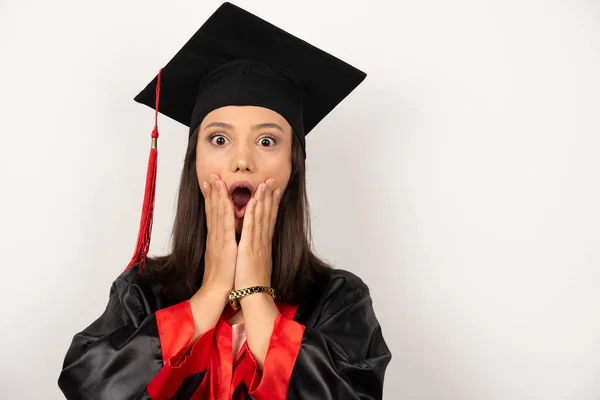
<point x="260" y="195"/>
<point x="206" y="192"/>
<point x="228" y="219"/>
<point x="221" y="214"/>
<point x="266" y="212"/>
<point x="274" y="211"/>
<point x="259" y="212"/>
<point x="229" y="225"/>
<point x="214" y="195"/>
<point x="248" y="224"/>
<point x="223" y="193"/>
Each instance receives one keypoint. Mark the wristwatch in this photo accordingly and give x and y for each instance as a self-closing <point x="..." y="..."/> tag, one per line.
<point x="235" y="295"/>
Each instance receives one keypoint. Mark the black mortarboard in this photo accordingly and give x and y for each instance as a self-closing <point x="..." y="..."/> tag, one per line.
<point x="237" y="58"/>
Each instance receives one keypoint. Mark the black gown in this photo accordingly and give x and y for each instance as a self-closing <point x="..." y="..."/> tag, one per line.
<point x="328" y="347"/>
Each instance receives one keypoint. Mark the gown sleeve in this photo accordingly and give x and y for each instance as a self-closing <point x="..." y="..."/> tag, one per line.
<point x="344" y="356"/>
<point x="132" y="352"/>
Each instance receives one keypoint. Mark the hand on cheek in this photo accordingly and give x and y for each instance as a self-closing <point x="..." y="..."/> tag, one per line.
<point x="221" y="247"/>
<point x="219" y="259"/>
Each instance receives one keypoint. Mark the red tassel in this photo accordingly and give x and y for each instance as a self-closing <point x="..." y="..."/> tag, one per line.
<point x="143" y="241"/>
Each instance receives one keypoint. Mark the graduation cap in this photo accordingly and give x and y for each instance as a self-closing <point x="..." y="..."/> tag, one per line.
<point x="239" y="59"/>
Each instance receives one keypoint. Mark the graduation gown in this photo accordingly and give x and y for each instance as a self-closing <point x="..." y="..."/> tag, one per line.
<point x="328" y="347"/>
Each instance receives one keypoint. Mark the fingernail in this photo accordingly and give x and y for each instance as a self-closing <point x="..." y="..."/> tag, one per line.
<point x="205" y="185"/>
<point x="262" y="189"/>
<point x="213" y="178"/>
<point x="277" y="193"/>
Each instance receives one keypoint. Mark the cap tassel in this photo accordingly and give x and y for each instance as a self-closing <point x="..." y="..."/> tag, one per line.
<point x="143" y="240"/>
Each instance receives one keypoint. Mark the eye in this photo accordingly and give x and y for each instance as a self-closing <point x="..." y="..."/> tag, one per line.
<point x="220" y="139"/>
<point x="265" y="141"/>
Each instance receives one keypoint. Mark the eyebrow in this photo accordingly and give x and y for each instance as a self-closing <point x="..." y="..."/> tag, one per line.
<point x="253" y="127"/>
<point x="218" y="125"/>
<point x="267" y="125"/>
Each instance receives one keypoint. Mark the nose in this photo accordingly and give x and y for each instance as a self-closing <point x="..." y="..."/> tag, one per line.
<point x="243" y="159"/>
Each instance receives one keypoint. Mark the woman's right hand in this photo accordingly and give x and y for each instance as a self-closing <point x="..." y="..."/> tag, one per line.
<point x="221" y="248"/>
<point x="220" y="257"/>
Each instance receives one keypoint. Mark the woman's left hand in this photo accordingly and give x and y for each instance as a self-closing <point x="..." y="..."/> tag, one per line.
<point x="254" y="260"/>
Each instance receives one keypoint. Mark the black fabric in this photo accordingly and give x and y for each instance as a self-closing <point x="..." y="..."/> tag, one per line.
<point x="249" y="82"/>
<point x="189" y="386"/>
<point x="343" y="354"/>
<point x="119" y="353"/>
<point x="237" y="58"/>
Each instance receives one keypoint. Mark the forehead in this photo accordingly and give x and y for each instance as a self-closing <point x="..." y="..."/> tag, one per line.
<point x="245" y="115"/>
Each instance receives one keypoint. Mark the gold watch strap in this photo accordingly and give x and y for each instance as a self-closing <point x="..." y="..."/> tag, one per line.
<point x="235" y="295"/>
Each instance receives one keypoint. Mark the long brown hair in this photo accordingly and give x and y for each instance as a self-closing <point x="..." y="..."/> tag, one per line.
<point x="296" y="269"/>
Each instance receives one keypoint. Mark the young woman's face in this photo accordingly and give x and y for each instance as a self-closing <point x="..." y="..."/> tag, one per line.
<point x="244" y="143"/>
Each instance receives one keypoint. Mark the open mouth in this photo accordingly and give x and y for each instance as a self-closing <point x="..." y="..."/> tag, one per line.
<point x="241" y="194"/>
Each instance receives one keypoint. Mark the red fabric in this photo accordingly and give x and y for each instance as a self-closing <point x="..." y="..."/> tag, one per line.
<point x="245" y="368"/>
<point x="175" y="329"/>
<point x="168" y="380"/>
<point x="279" y="362"/>
<point x="217" y="382"/>
<point x="252" y="373"/>
<point x="225" y="349"/>
<point x="145" y="231"/>
<point x="209" y="387"/>
<point x="212" y="353"/>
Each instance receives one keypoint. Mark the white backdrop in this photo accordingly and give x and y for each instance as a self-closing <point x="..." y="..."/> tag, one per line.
<point x="460" y="180"/>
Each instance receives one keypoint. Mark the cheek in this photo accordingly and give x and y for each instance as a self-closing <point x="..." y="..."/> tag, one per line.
<point x="282" y="175"/>
<point x="201" y="172"/>
<point x="204" y="168"/>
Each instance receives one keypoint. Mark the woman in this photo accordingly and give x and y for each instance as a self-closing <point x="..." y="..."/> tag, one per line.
<point x="241" y="308"/>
